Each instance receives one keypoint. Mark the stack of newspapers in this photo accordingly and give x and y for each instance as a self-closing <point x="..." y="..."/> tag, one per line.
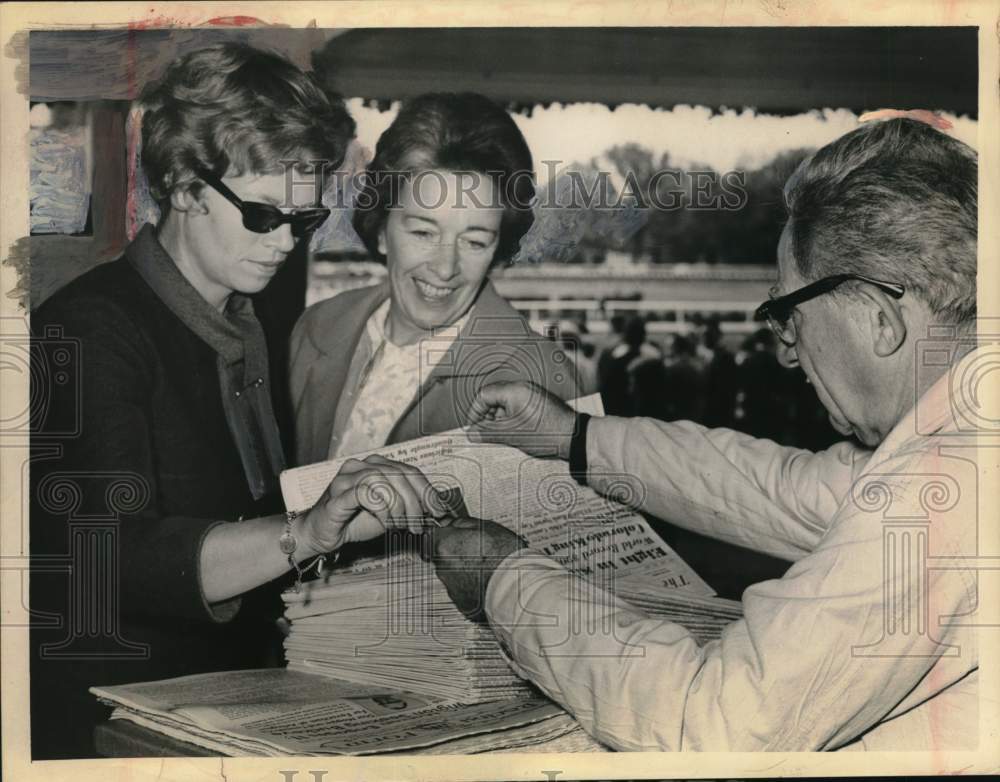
<point x="389" y="621"/>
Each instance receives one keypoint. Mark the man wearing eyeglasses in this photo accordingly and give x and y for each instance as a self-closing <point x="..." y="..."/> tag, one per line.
<point x="868" y="641"/>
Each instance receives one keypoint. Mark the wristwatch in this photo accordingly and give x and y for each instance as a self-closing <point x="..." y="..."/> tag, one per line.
<point x="578" y="449"/>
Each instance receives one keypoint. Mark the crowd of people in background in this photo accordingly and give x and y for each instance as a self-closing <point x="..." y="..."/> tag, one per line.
<point x="703" y="375"/>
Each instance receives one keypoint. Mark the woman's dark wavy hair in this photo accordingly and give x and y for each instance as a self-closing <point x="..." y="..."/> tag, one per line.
<point x="450" y="132"/>
<point x="233" y="109"/>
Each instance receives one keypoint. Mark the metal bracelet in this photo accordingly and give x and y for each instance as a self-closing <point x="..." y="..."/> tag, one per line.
<point x="287" y="543"/>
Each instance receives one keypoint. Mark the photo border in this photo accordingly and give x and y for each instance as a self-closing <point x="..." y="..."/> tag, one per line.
<point x="18" y="18"/>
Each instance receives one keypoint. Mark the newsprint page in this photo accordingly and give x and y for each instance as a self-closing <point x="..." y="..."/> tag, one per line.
<point x="465" y="390"/>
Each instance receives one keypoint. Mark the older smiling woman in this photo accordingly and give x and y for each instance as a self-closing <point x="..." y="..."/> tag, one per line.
<point x="447" y="198"/>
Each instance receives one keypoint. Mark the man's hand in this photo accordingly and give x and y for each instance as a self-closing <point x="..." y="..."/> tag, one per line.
<point x="465" y="554"/>
<point x="523" y="415"/>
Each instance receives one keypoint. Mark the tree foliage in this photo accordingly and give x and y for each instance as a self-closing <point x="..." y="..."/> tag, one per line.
<point x="699" y="215"/>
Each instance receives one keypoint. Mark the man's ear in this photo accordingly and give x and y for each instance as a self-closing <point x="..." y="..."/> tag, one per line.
<point x="183" y="199"/>
<point x="886" y="321"/>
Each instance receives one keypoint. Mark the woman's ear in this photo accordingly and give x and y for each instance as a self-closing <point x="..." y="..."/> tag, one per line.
<point x="183" y="199"/>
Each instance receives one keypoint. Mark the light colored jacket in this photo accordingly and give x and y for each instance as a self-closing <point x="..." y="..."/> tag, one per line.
<point x="330" y="346"/>
<point x="869" y="640"/>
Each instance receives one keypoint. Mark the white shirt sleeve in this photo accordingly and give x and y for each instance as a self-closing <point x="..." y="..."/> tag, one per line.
<point x="785" y="678"/>
<point x="751" y="492"/>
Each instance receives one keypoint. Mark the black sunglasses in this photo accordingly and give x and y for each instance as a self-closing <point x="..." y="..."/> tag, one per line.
<point x="777" y="311"/>
<point x="264" y="218"/>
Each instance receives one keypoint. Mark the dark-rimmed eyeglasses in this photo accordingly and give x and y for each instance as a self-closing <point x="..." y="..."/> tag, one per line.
<point x="264" y="218"/>
<point x="777" y="311"/>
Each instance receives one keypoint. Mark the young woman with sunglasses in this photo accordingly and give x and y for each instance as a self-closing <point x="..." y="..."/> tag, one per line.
<point x="169" y="426"/>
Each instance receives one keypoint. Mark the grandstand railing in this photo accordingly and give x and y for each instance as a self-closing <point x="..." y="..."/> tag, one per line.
<point x="661" y="316"/>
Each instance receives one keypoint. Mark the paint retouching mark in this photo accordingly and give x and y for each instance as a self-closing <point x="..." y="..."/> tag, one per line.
<point x="17" y="49"/>
<point x="19" y="259"/>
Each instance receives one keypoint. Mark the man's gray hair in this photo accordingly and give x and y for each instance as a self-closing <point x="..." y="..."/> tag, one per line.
<point x="893" y="200"/>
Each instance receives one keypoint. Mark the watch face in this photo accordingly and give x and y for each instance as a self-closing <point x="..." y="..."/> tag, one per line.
<point x="287" y="543"/>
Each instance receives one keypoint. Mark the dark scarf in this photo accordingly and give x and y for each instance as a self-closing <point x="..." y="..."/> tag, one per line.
<point x="238" y="339"/>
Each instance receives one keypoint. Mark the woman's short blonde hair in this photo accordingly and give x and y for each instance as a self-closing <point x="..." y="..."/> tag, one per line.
<point x="234" y="109"/>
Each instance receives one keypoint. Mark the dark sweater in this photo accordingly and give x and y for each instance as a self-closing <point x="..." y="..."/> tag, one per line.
<point x="130" y="449"/>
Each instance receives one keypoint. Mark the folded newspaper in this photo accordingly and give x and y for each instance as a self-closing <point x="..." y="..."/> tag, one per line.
<point x="389" y="622"/>
<point x="276" y="712"/>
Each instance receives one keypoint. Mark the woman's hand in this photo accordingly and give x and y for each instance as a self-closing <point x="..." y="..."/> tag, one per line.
<point x="366" y="498"/>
